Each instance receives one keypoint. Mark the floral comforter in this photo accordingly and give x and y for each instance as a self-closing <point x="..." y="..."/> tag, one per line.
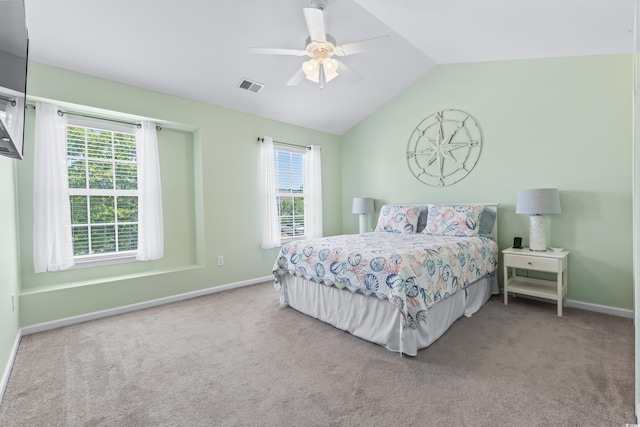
<point x="412" y="271"/>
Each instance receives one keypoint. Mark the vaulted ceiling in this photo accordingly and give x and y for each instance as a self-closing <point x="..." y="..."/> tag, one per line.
<point x="199" y="49"/>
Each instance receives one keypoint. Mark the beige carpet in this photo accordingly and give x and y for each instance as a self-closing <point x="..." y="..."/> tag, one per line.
<point x="238" y="358"/>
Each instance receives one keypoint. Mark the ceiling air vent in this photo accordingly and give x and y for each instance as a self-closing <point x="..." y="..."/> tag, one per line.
<point x="250" y="86"/>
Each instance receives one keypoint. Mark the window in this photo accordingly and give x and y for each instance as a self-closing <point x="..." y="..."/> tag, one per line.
<point x="289" y="173"/>
<point x="103" y="187"/>
<point x="290" y="193"/>
<point x="97" y="191"/>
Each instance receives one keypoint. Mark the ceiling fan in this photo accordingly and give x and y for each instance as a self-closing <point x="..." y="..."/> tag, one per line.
<point x="321" y="47"/>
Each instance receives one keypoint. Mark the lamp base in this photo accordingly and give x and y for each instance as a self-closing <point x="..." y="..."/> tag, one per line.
<point x="363" y="223"/>
<point x="537" y="234"/>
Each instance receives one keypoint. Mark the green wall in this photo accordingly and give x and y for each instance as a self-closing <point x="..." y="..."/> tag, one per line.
<point x="210" y="179"/>
<point x="563" y="123"/>
<point x="9" y="272"/>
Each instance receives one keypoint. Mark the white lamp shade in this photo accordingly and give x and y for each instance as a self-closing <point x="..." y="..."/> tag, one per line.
<point x="538" y="201"/>
<point x="362" y="205"/>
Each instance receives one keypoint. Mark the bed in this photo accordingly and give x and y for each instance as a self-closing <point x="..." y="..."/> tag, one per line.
<point x="402" y="285"/>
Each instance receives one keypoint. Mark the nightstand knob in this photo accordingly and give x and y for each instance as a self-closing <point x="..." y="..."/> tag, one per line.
<point x="529" y="263"/>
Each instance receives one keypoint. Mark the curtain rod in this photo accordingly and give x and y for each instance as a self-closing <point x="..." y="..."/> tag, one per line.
<point x="11" y="100"/>
<point x="62" y="113"/>
<point x="287" y="144"/>
<point x="136" y="124"/>
<point x="88" y="116"/>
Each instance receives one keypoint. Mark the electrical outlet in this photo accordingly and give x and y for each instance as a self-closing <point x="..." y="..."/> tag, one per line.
<point x="220" y="260"/>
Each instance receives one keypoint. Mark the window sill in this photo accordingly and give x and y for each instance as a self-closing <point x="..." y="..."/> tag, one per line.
<point x="292" y="239"/>
<point x="87" y="261"/>
<point x="112" y="279"/>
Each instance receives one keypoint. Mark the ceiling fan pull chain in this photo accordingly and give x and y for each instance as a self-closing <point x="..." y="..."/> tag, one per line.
<point x="322" y="76"/>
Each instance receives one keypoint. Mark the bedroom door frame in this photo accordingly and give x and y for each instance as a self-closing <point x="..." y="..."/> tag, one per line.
<point x="636" y="201"/>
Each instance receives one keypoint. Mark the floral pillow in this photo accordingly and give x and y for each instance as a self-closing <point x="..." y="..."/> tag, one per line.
<point x="398" y="219"/>
<point x="449" y="220"/>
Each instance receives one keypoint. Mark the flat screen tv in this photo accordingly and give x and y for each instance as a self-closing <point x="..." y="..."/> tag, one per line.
<point x="14" y="48"/>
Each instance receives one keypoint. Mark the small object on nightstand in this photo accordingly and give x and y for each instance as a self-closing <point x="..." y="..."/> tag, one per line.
<point x="517" y="242"/>
<point x="554" y="261"/>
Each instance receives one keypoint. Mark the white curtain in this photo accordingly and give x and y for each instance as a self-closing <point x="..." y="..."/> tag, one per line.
<point x="15" y="122"/>
<point x="313" y="192"/>
<point x="52" y="245"/>
<point x="268" y="204"/>
<point x="150" y="226"/>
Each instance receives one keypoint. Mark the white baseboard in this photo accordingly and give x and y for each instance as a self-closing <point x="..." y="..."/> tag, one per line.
<point x="9" y="367"/>
<point x="614" y="311"/>
<point x="54" y="324"/>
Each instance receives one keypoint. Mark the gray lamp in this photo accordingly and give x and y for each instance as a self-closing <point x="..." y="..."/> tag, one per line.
<point x="538" y="202"/>
<point x="362" y="206"/>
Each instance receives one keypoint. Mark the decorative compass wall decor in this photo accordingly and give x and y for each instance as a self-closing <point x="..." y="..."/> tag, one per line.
<point x="444" y="148"/>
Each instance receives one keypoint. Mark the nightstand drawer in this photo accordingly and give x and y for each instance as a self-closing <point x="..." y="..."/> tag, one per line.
<point x="533" y="263"/>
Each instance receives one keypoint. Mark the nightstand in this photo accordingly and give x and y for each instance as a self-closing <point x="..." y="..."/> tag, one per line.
<point x="549" y="261"/>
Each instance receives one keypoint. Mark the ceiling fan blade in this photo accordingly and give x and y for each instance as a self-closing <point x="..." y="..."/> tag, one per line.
<point x="276" y="51"/>
<point x="297" y="78"/>
<point x="315" y="24"/>
<point x="352" y="76"/>
<point x="363" y="46"/>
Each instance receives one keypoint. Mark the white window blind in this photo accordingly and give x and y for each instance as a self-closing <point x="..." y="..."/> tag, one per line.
<point x="103" y="190"/>
<point x="290" y="194"/>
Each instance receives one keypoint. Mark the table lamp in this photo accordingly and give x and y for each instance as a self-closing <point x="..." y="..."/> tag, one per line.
<point x="538" y="202"/>
<point x="363" y="206"/>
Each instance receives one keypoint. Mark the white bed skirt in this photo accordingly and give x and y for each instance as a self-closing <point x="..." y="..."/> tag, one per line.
<point x="378" y="321"/>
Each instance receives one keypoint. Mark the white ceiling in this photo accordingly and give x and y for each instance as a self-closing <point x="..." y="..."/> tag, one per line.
<point x="198" y="49"/>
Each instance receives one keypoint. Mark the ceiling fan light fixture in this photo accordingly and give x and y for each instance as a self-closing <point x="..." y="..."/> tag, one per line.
<point x="310" y="67"/>
<point x="311" y="70"/>
<point x="330" y="66"/>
